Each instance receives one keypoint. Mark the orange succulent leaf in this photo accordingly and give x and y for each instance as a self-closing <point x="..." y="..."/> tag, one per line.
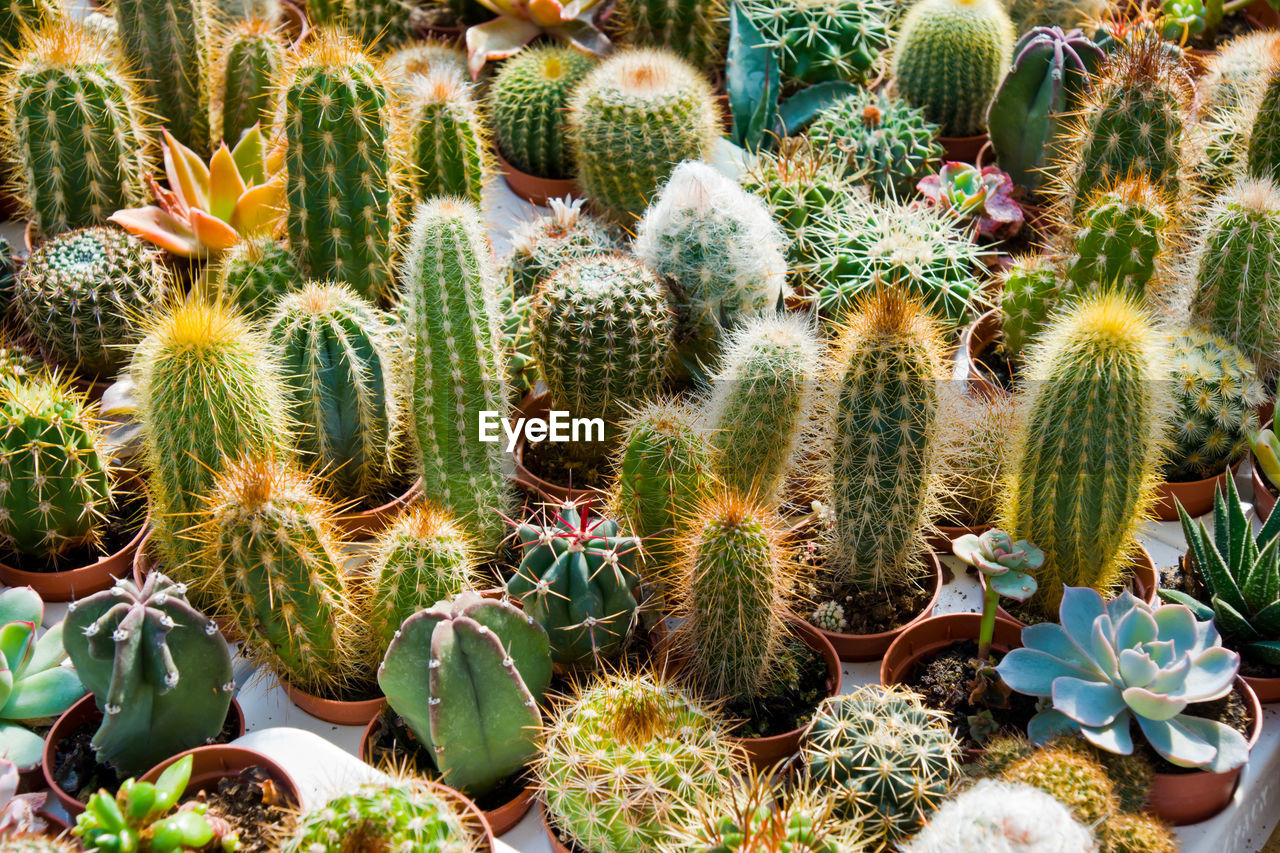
<point x="225" y="184"/>
<point x="188" y="175"/>
<point x="155" y="226"/>
<point x="260" y="209"/>
<point x="213" y="234"/>
<point x="497" y="39"/>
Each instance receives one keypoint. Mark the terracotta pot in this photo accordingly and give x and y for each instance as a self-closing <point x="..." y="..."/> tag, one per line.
<point x="295" y="22"/>
<point x="532" y="188"/>
<point x="860" y="647"/>
<point x="1196" y="496"/>
<point x="965" y="149"/>
<point x="536" y="406"/>
<point x="77" y="583"/>
<point x="335" y="710"/>
<point x="557" y="846"/>
<point x="977" y="340"/>
<point x="371" y="522"/>
<point x="1183" y="798"/>
<point x="940" y="540"/>
<point x="1264" y="499"/>
<point x="86" y="711"/>
<point x="930" y="637"/>
<point x="1266" y="689"/>
<point x="212" y="764"/>
<point x="1262" y="16"/>
<point x="1144" y="583"/>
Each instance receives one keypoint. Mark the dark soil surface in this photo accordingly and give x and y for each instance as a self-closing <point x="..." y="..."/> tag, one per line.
<point x="790" y="704"/>
<point x="122" y="524"/>
<point x="557" y="464"/>
<point x="1230" y="709"/>
<point x="993" y="364"/>
<point x="882" y="610"/>
<point x="252" y="804"/>
<point x="945" y="682"/>
<point x="402" y="482"/>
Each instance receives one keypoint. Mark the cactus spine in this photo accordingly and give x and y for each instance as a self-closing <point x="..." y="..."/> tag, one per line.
<point x="543" y="245"/>
<point x="527" y="101"/>
<point x="978" y="441"/>
<point x="1263" y="156"/>
<point x="1125" y="235"/>
<point x="252" y="56"/>
<point x="817" y="41"/>
<point x="1032" y="287"/>
<point x="448" y="146"/>
<point x="401" y="816"/>
<point x="697" y="30"/>
<point x="254" y="274"/>
<point x="884" y="142"/>
<point x="20" y="17"/>
<point x="1215" y="392"/>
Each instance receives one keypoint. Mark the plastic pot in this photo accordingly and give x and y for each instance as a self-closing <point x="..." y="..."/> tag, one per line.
<point x="861" y="647"/>
<point x="535" y="407"/>
<point x="930" y="637"/>
<point x="976" y="340"/>
<point x="335" y="711"/>
<point x="211" y="764"/>
<point x="371" y="522"/>
<point x="532" y="188"/>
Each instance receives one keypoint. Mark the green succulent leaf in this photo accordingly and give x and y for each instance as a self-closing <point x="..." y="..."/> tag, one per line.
<point x="171" y="784"/>
<point x="20" y="745"/>
<point x="21" y="604"/>
<point x="753" y="79"/>
<point x="43" y="695"/>
<point x="1198" y="609"/>
<point x="797" y="111"/>
<point x="1264" y="651"/>
<point x="1231" y="622"/>
<point x="17" y="640"/>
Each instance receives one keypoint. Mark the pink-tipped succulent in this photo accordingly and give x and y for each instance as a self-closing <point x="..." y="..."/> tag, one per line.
<point x="1004" y="565"/>
<point x="18" y="812"/>
<point x="521" y="21"/>
<point x="983" y="195"/>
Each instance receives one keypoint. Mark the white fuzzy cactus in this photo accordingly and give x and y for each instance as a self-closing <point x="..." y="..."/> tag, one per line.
<point x="1003" y="817"/>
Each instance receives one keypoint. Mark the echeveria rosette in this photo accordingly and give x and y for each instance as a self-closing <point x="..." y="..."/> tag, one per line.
<point x="521" y="21"/>
<point x="1003" y="562"/>
<point x="1107" y="666"/>
<point x="985" y="195"/>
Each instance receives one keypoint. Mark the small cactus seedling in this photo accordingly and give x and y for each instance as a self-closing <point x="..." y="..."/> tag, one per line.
<point x="542" y="246"/>
<point x="397" y="816"/>
<point x="1215" y="394"/>
<point x="447" y="145"/>
<point x="528" y="101"/>
<point x="887" y="139"/>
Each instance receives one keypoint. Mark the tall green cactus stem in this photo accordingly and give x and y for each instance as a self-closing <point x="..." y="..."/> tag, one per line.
<point x="339" y="165"/>
<point x="949" y="58"/>
<point x="1032" y="289"/>
<point x="543" y="245"/>
<point x="169" y="42"/>
<point x="632" y="119"/>
<point x="158" y="669"/>
<point x="456" y="371"/>
<point x="1091" y="444"/>
<point x="338" y="358"/>
<point x="55" y="486"/>
<point x="254" y="274"/>
<point x="885" y="464"/>
<point x="1124" y="236"/>
<point x="466" y="677"/>
<point x="20" y="17"/>
<point x="74" y="127"/>
<point x="447" y="143"/>
<point x="275" y="560"/>
<point x="527" y="103"/>
<point x="697" y="30"/>
<point x="817" y="41"/>
<point x="885" y="142"/>
<point x="578" y="580"/>
<point x="721" y="252"/>
<point x="252" y="56"/>
<point x="761" y="400"/>
<point x="1215" y="394"/>
<point x="1263" y="158"/>
<point x="399" y="816"/>
<point x="978" y="436"/>
<point x="1236" y="72"/>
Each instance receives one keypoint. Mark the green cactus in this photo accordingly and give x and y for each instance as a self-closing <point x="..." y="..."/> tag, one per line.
<point x="543" y="245"/>
<point x="254" y="274"/>
<point x="978" y="436"/>
<point x="419" y="57"/>
<point x="577" y="579"/>
<point x="1125" y="236"/>
<point x="888" y="758"/>
<point x="884" y="142"/>
<point x="252" y="56"/>
<point x="82" y="293"/>
<point x="1215" y="395"/>
<point x="1236" y="72"/>
<point x="16" y="363"/>
<point x="89" y="161"/>
<point x="818" y="41"/>
<point x="1072" y="778"/>
<point x="38" y="844"/>
<point x="884" y="455"/>
<point x="949" y="59"/>
<point x="633" y="118"/>
<point x="517" y="344"/>
<point x="1089" y="452"/>
<point x="466" y="677"/>
<point x="384" y="23"/>
<point x="455" y="366"/>
<point x="447" y="143"/>
<point x="339" y="164"/>
<point x="20" y="17"/>
<point x="527" y="102"/>
<point x="626" y="759"/>
<point x="1263" y="155"/>
<point x="1137" y="833"/>
<point x="398" y="816"/>
<point x="1032" y="287"/>
<point x="697" y="30"/>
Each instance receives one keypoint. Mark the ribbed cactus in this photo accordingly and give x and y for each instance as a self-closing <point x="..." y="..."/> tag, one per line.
<point x="995" y="815"/>
<point x="169" y="42"/>
<point x="1071" y="777"/>
<point x="399" y="816"/>
<point x="1124" y="236"/>
<point x="252" y="55"/>
<point x="889" y="759"/>
<point x="1032" y="287"/>
<point x="1138" y="833"/>
<point x="455" y="368"/>
<point x="697" y="30"/>
<point x="466" y="676"/>
<point x="74" y="129"/>
<point x="1215" y="394"/>
<point x="339" y="164"/>
<point x="527" y="102"/>
<point x="19" y="17"/>
<point x="882" y="141"/>
<point x="383" y="23"/>
<point x="1263" y="157"/>
<point x="543" y="245"/>
<point x="447" y="144"/>
<point x="338" y="358"/>
<point x="81" y="296"/>
<point x="977" y="444"/>
<point x="822" y="40"/>
<point x="517" y="344"/>
<point x="632" y="119"/>
<point x="628" y="757"/>
<point x="158" y="669"/>
<point x="55" y="486"/>
<point x="884" y="459"/>
<point x="1089" y="450"/>
<point x="949" y="58"/>
<point x="577" y="578"/>
<point x="254" y="274"/>
<point x="761" y="400"/>
<point x="721" y="252"/>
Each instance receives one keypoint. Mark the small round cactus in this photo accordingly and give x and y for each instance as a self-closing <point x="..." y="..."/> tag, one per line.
<point x="398" y="816"/>
<point x="543" y="245"/>
<point x="446" y="141"/>
<point x="1070" y="777"/>
<point x="1032" y="287"/>
<point x="254" y="274"/>
<point x="817" y="41"/>
<point x="829" y="616"/>
<point x="527" y="101"/>
<point x="1125" y="236"/>
<point x="1215" y="393"/>
<point x="1004" y="817"/>
<point x="1137" y="833"/>
<point x="885" y="142"/>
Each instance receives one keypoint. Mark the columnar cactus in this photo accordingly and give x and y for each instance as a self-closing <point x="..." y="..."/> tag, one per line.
<point x="517" y="344"/>
<point x="339" y="164"/>
<point x="1124" y="236"/>
<point x="1236" y="72"/>
<point x="541" y="246"/>
<point x="1064" y="14"/>
<point x="697" y="30"/>
<point x="1032" y="288"/>
<point x="978" y="436"/>
<point x="885" y="142"/>
<point x="1089" y="450"/>
<point x="527" y="102"/>
<point x="949" y="58"/>
<point x="632" y="119"/>
<point x="252" y="57"/>
<point x="455" y="369"/>
<point x="74" y="128"/>
<point x="1215" y="394"/>
<point x="399" y="816"/>
<point x="447" y="146"/>
<point x="822" y="40"/>
<point x="81" y="294"/>
<point x="254" y="274"/>
<point x="1263" y="158"/>
<point x="466" y="676"/>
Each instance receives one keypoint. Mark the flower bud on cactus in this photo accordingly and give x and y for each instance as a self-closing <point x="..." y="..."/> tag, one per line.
<point x="169" y="41"/>
<point x="253" y="53"/>
<point x="822" y="40"/>
<point x="397" y="816"/>
<point x="887" y="139"/>
<point x="1215" y="394"/>
<point x="254" y="274"/>
<point x="1032" y="288"/>
<point x="543" y="245"/>
<point x="448" y="149"/>
<point x="527" y="101"/>
<point x="1124" y="235"/>
<point x="697" y="30"/>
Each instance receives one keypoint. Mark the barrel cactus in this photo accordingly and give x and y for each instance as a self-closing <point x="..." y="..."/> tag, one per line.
<point x="697" y="30"/>
<point x="1125" y="236"/>
<point x="254" y="274"/>
<point x="541" y="246"/>
<point x="885" y="142"/>
<point x="397" y="816"/>
<point x="1215" y="395"/>
<point x="447" y="144"/>
<point x="527" y="102"/>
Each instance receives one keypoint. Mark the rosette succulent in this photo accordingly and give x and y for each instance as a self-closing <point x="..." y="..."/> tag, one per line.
<point x="1107" y="666"/>
<point x="984" y="196"/>
<point x="521" y="21"/>
<point x="1004" y="565"/>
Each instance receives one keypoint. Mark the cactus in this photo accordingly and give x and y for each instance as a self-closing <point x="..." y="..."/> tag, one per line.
<point x="74" y="127"/>
<point x="884" y="467"/>
<point x="421" y="56"/>
<point x="517" y="344"/>
<point x="1070" y="777"/>
<point x="948" y="59"/>
<point x="1215" y="394"/>
<point x="169" y="42"/>
<point x="761" y="400"/>
<point x="1137" y="833"/>
<point x="23" y="843"/>
<point x="466" y="677"/>
<point x="252" y="55"/>
<point x="456" y="372"/>
<point x="577" y="579"/>
<point x="1032" y="288"/>
<point x="1236" y="72"/>
<point x="158" y="669"/>
<point x="81" y="294"/>
<point x="254" y="274"/>
<point x="1263" y="155"/>
<point x="633" y="118"/>
<point x="882" y="141"/>
<point x="627" y="759"/>
<point x="527" y="102"/>
<point x="1064" y="14"/>
<point x="721" y="252"/>
<point x="888" y="758"/>
<point x="1089" y="452"/>
<point x="978" y="437"/>
<point x="397" y="816"/>
<point x="20" y="17"/>
<point x="1125" y="235"/>
<point x="447" y="144"/>
<point x="822" y="40"/>
<point x="16" y="363"/>
<point x="1005" y="816"/>
<point x="339" y="164"/>
<point x="338" y="356"/>
<point x="384" y="23"/>
<point x="543" y="245"/>
<point x="697" y="30"/>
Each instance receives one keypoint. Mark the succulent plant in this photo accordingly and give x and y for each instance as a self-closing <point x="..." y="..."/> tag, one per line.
<point x="1033" y="288"/>
<point x="519" y="23"/>
<point x="883" y="141"/>
<point x="1072" y="778"/>
<point x="448" y="145"/>
<point x="981" y="197"/>
<point x="694" y="29"/>
<point x="254" y="274"/>
<point x="252" y="57"/>
<point x="1137" y="833"/>
<point x="19" y="813"/>
<point x="543" y="245"/>
<point x="822" y="40"/>
<point x="1003" y="817"/>
<point x="396" y="816"/>
<point x="527" y="101"/>
<point x="1125" y="235"/>
<point x="21" y="17"/>
<point x="1005" y="566"/>
<point x="1266" y="453"/>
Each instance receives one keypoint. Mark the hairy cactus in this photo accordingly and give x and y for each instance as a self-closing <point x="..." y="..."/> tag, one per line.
<point x="447" y="146"/>
<point x="527" y="102"/>
<point x="1089" y="450"/>
<point x="883" y="141"/>
<point x="74" y="128"/>
<point x="1263" y="156"/>
<point x="158" y="669"/>
<point x="23" y="843"/>
<point x="419" y="57"/>
<point x="1003" y="817"/>
<point x="454" y="366"/>
<point x="254" y="274"/>
<point x="977" y="442"/>
<point x="16" y="363"/>
<point x="1032" y="288"/>
<point x="1124" y="236"/>
<point x="543" y="245"/>
<point x="338" y="163"/>
<point x="631" y="120"/>
<point x="20" y="17"/>
<point x="948" y="59"/>
<point x="627" y="759"/>
<point x="252" y="56"/>
<point x="697" y="30"/>
<point x="80" y="296"/>
<point x="397" y="816"/>
<point x="1070" y="777"/>
<point x="822" y="40"/>
<point x="169" y="43"/>
<point x="888" y="758"/>
<point x="1215" y="394"/>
